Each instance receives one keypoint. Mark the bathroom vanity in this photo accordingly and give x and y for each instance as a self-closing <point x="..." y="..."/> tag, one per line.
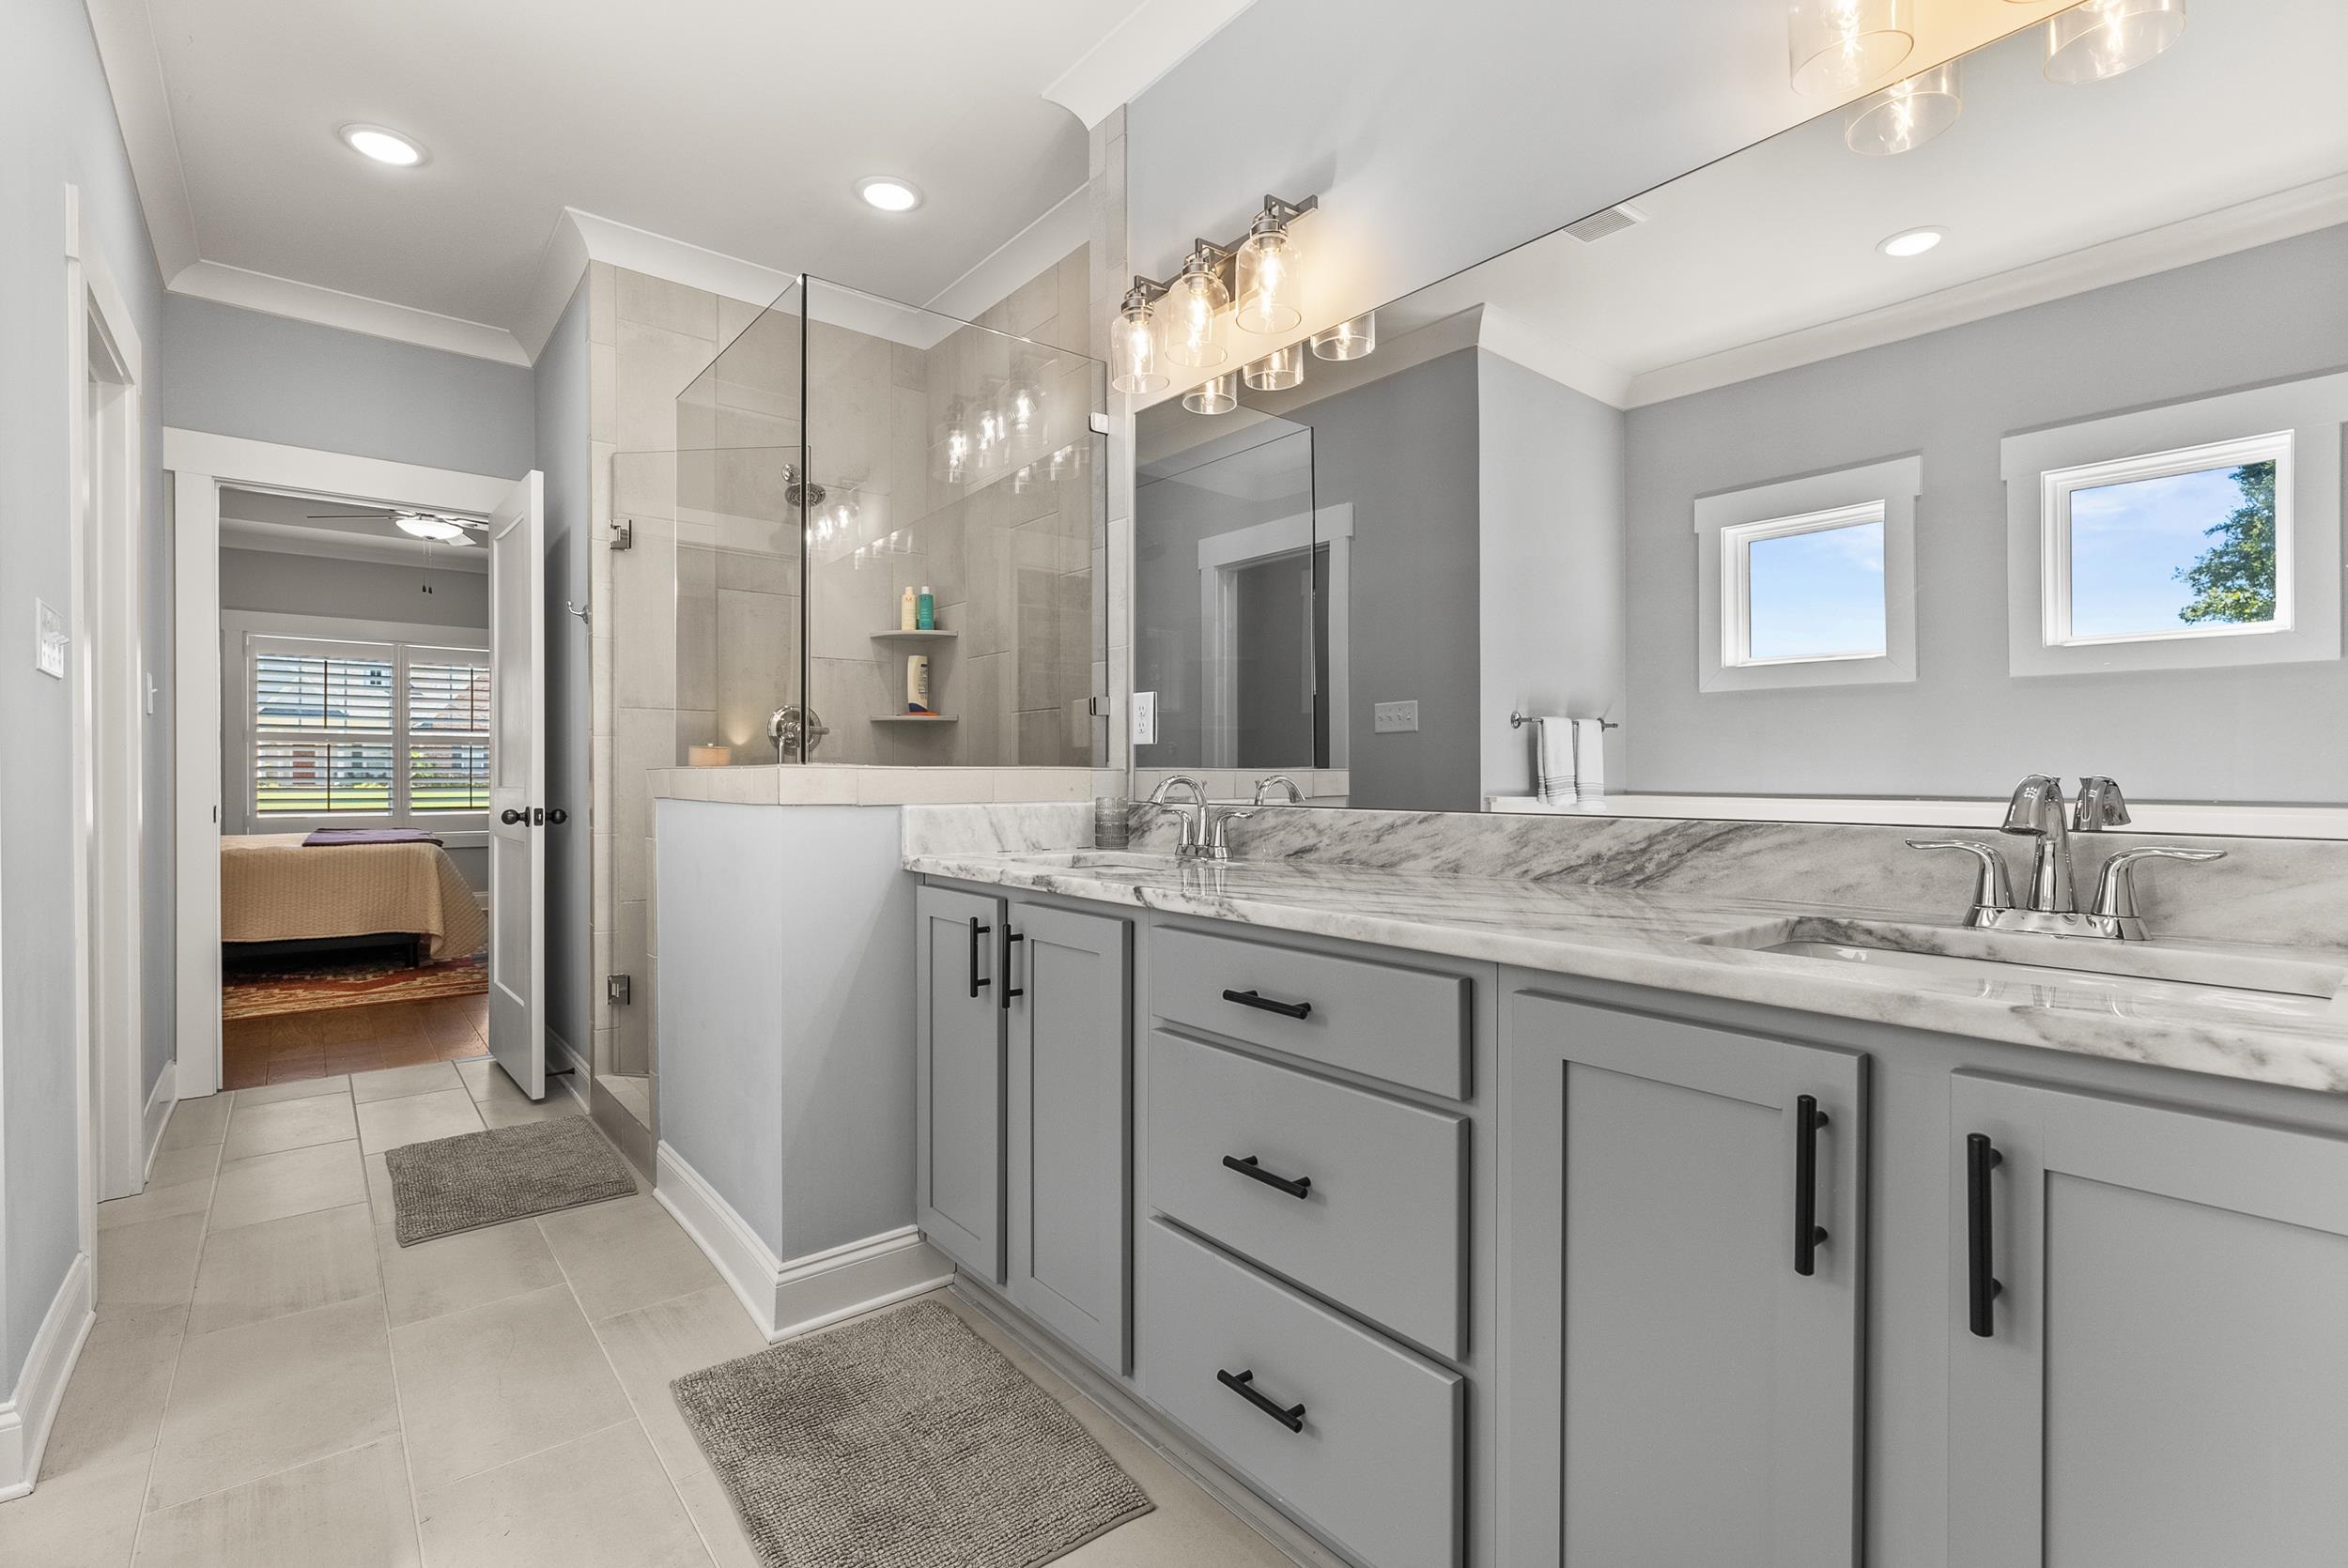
<point x="1491" y="1220"/>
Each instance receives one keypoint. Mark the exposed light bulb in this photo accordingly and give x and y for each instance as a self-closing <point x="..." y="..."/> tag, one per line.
<point x="1196" y="301"/>
<point x="2102" y="38"/>
<point x="1265" y="276"/>
<point x="1906" y="114"/>
<point x="1134" y="348"/>
<point x="1839" y="46"/>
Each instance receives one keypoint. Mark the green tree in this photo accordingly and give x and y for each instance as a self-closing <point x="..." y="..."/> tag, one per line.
<point x="2235" y="579"/>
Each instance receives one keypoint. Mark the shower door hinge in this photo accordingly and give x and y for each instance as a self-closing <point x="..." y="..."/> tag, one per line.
<point x="619" y="990"/>
<point x="623" y="533"/>
<point x="1100" y="423"/>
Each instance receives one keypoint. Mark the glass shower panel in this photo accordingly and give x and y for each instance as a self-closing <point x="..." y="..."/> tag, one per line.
<point x="959" y="459"/>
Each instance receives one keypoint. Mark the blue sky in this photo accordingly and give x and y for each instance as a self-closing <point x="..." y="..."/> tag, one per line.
<point x="1816" y="593"/>
<point x="2128" y="541"/>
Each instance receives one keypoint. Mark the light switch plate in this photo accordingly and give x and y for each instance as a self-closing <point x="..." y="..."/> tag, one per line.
<point x="1393" y="718"/>
<point x="1144" y="718"/>
<point x="49" y="650"/>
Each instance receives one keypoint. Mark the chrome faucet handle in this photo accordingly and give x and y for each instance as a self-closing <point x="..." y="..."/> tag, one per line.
<point x="1216" y="844"/>
<point x="2115" y="888"/>
<point x="2100" y="804"/>
<point x="1264" y="786"/>
<point x="1991" y="891"/>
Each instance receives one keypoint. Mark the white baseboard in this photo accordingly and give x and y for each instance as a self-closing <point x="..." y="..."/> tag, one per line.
<point x="792" y="1298"/>
<point x="32" y="1406"/>
<point x="160" y="1105"/>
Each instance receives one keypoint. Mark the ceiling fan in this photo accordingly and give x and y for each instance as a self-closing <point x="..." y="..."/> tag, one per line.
<point x="433" y="526"/>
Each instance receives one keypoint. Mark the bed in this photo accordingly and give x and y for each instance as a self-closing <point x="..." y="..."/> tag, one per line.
<point x="278" y="895"/>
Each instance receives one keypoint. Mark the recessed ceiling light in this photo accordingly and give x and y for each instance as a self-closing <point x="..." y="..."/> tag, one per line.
<point x="888" y="193"/>
<point x="423" y="526"/>
<point x="1913" y="242"/>
<point x="384" y="147"/>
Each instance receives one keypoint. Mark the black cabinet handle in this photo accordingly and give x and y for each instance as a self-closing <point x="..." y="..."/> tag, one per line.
<point x="1243" y="1384"/>
<point x="1808" y="1233"/>
<point x="1295" y="1186"/>
<point x="1009" y="990"/>
<point x="1981" y="1289"/>
<point x="513" y="816"/>
<point x="977" y="930"/>
<point x="1265" y="1003"/>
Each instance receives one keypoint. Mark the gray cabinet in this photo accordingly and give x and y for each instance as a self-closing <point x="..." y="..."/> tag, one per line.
<point x="959" y="1079"/>
<point x="1070" y="1014"/>
<point x="2159" y="1380"/>
<point x="1683" y="1371"/>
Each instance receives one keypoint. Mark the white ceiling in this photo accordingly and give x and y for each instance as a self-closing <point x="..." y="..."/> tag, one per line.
<point x="736" y="126"/>
<point x="1767" y="258"/>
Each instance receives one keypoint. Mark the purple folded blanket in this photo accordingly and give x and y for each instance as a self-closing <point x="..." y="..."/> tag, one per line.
<point x="368" y="836"/>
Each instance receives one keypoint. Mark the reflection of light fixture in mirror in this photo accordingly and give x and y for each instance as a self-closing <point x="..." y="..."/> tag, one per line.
<point x="1264" y="280"/>
<point x="2103" y="37"/>
<point x="1193" y="304"/>
<point x="1277" y="371"/>
<point x="421" y="525"/>
<point x="1218" y="395"/>
<point x="1839" y="46"/>
<point x="1906" y="114"/>
<point x="1134" y="348"/>
<point x="953" y="446"/>
<point x="1021" y="402"/>
<point x="1912" y="242"/>
<point x="1347" y="340"/>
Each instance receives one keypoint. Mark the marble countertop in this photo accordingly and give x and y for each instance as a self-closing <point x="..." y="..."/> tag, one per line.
<point x="1706" y="946"/>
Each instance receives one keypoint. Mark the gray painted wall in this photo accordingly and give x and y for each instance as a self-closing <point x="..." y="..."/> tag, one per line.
<point x="239" y="372"/>
<point x="58" y="127"/>
<point x="1966" y="727"/>
<point x="561" y="437"/>
<point x="286" y="584"/>
<point x="1550" y="611"/>
<point x="787" y="1021"/>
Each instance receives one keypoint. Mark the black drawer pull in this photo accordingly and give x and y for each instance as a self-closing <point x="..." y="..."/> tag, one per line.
<point x="1009" y="990"/>
<point x="1243" y="1384"/>
<point x="1265" y="1003"/>
<point x="1295" y="1186"/>
<point x="1808" y="1233"/>
<point x="1980" y="1288"/>
<point x="977" y="930"/>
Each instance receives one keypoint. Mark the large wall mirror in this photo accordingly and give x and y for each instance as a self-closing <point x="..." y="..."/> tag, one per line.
<point x="1840" y="468"/>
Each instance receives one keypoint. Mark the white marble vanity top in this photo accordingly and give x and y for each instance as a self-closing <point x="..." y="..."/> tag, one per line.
<point x="1704" y="945"/>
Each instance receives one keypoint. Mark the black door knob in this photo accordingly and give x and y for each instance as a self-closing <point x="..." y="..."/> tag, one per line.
<point x="556" y="816"/>
<point x="513" y="816"/>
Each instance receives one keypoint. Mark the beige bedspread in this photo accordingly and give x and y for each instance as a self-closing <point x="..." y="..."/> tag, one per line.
<point x="272" y="888"/>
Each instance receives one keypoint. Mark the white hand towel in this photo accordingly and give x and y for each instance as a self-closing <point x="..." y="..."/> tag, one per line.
<point x="1590" y="758"/>
<point x="1553" y="761"/>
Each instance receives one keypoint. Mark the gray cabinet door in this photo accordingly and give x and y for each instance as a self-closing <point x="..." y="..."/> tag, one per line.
<point x="958" y="1193"/>
<point x="2164" y="1382"/>
<point x="1071" y="1075"/>
<point x="1677" y="1391"/>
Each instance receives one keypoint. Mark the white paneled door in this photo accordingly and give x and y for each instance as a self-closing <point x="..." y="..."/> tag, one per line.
<point x="517" y="786"/>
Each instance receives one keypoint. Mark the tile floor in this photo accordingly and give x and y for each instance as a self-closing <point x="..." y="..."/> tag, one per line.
<point x="286" y="1048"/>
<point x="274" y="1382"/>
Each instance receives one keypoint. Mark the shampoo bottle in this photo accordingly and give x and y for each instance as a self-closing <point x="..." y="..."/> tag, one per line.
<point x="907" y="608"/>
<point x="925" y="610"/>
<point x="917" y="683"/>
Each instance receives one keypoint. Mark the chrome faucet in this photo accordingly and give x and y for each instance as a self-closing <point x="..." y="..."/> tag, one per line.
<point x="1264" y="787"/>
<point x="2100" y="806"/>
<point x="2036" y="812"/>
<point x="1191" y="814"/>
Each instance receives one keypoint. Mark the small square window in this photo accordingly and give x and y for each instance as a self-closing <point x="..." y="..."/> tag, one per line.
<point x="1805" y="590"/>
<point x="2193" y="542"/>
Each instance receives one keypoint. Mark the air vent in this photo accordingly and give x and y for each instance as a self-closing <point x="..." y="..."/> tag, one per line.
<point x="1613" y="220"/>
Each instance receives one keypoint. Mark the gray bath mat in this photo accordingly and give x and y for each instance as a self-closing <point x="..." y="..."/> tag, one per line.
<point x="901" y="1440"/>
<point x="448" y="1185"/>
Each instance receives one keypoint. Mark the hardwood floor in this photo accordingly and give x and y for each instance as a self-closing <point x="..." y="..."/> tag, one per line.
<point x="285" y="1048"/>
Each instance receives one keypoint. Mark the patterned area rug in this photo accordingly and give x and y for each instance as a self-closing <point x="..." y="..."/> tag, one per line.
<point x="316" y="984"/>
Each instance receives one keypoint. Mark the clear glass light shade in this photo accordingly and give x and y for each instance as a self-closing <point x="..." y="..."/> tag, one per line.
<point x="2103" y="37"/>
<point x="1906" y="114"/>
<point x="1266" y="283"/>
<point x="1192" y="307"/>
<point x="1839" y="46"/>
<point x="1133" y="352"/>
<point x="1218" y="395"/>
<point x="1347" y="340"/>
<point x="1277" y="371"/>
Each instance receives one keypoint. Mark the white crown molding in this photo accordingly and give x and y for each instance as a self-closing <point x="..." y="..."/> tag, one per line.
<point x="351" y="313"/>
<point x="1158" y="36"/>
<point x="2264" y="220"/>
<point x="1041" y="244"/>
<point x="134" y="80"/>
<point x="580" y="237"/>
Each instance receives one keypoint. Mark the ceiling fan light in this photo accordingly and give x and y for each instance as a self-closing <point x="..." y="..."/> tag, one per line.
<point x="421" y="525"/>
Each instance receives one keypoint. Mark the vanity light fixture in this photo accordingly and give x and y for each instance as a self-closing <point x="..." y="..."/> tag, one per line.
<point x="2102" y="38"/>
<point x="384" y="147"/>
<point x="1134" y="349"/>
<point x="1839" y="46"/>
<point x="1217" y="394"/>
<point x="1912" y="242"/>
<point x="1906" y="114"/>
<point x="1277" y="371"/>
<point x="1255" y="277"/>
<point x="1347" y="340"/>
<point x="1195" y="303"/>
<point x="888" y="193"/>
<point x="1265" y="282"/>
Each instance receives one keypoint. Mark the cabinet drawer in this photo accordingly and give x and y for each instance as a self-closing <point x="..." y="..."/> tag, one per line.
<point x="1409" y="1027"/>
<point x="1375" y="1463"/>
<point x="1380" y="1228"/>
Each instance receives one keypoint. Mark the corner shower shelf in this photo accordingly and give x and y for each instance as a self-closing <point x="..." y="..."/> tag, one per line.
<point x="918" y="718"/>
<point x="911" y="636"/>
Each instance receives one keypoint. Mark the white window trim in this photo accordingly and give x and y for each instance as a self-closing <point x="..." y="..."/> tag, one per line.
<point x="2298" y="423"/>
<point x="1884" y="491"/>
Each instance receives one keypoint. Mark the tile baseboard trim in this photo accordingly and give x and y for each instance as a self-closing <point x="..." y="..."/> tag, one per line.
<point x="575" y="1081"/>
<point x="795" y="1297"/>
<point x="32" y="1406"/>
<point x="160" y="1105"/>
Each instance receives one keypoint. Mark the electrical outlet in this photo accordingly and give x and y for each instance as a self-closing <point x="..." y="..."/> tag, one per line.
<point x="1144" y="718"/>
<point x="1393" y="718"/>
